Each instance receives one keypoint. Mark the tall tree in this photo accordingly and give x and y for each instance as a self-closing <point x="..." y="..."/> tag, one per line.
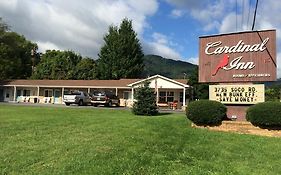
<point x="15" y="54"/>
<point x="121" y="56"/>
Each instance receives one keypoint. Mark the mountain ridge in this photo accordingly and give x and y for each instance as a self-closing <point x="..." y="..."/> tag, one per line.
<point x="175" y="69"/>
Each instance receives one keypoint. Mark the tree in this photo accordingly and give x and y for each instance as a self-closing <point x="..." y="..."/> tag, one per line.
<point x="15" y="54"/>
<point x="200" y="90"/>
<point x="57" y="65"/>
<point x="273" y="93"/>
<point x="121" y="56"/>
<point x="86" y="69"/>
<point x="146" y="101"/>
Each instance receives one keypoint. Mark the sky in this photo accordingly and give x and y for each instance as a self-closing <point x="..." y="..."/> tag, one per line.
<point x="169" y="28"/>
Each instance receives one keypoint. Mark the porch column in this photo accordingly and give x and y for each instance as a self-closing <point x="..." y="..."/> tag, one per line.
<point x="89" y="90"/>
<point x="38" y="91"/>
<point x="15" y="93"/>
<point x="132" y="93"/>
<point x="62" y="94"/>
<point x="183" y="102"/>
<point x="116" y="91"/>
<point x="157" y="96"/>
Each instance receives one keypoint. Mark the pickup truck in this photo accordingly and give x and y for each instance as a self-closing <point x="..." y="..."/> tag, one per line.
<point x="77" y="97"/>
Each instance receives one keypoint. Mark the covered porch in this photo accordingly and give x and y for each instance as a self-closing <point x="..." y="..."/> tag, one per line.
<point x="172" y="94"/>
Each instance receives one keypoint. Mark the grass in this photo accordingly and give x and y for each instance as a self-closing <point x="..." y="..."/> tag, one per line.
<point x="47" y="140"/>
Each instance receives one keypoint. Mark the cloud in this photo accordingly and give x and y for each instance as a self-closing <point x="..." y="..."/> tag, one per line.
<point x="162" y="45"/>
<point x="72" y="25"/>
<point x="177" y="13"/>
<point x="207" y="12"/>
<point x="47" y="46"/>
<point x="221" y="16"/>
<point x="227" y="24"/>
<point x="193" y="60"/>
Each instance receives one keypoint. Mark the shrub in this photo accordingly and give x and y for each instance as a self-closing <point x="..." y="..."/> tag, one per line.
<point x="265" y="114"/>
<point x="205" y="112"/>
<point x="146" y="101"/>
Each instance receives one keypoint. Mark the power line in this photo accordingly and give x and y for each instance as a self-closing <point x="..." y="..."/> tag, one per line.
<point x="254" y="21"/>
<point x="236" y="14"/>
<point x="242" y="14"/>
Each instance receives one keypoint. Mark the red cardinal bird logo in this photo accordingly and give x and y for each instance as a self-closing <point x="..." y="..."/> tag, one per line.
<point x="223" y="62"/>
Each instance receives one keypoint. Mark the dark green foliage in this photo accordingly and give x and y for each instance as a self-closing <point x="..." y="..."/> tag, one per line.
<point x="86" y="69"/>
<point x="121" y="56"/>
<point x="273" y="93"/>
<point x="15" y="54"/>
<point x="58" y="65"/>
<point x="200" y="90"/>
<point x="65" y="65"/>
<point x="175" y="69"/>
<point x="265" y="114"/>
<point x="205" y="112"/>
<point x="146" y="101"/>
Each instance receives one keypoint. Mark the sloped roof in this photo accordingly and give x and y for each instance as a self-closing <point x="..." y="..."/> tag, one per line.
<point x="122" y="83"/>
<point x="72" y="83"/>
<point x="181" y="82"/>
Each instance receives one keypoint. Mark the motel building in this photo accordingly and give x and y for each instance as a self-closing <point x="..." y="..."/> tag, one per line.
<point x="168" y="91"/>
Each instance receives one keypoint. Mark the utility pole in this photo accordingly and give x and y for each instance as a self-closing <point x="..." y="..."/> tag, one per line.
<point x="254" y="21"/>
<point x="33" y="54"/>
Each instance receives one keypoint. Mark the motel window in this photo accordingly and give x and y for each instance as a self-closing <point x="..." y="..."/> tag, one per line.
<point x="170" y="96"/>
<point x="26" y="92"/>
<point x="18" y="93"/>
<point x="48" y="93"/>
<point x="166" y="96"/>
<point x="127" y="95"/>
<point x="162" y="96"/>
<point x="181" y="96"/>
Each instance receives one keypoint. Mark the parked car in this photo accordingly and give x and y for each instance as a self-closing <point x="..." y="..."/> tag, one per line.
<point x="77" y="97"/>
<point x="105" y="98"/>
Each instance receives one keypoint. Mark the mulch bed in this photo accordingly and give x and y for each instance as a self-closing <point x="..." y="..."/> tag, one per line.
<point x="242" y="127"/>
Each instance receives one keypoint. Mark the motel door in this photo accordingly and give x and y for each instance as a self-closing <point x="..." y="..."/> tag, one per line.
<point x="8" y="95"/>
<point x="57" y="95"/>
<point x="1" y="95"/>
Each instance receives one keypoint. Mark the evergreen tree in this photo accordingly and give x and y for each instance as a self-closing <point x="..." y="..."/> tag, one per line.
<point x="121" y="56"/>
<point x="146" y="101"/>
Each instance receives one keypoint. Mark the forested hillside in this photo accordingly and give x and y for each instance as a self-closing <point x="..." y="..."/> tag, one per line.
<point x="155" y="64"/>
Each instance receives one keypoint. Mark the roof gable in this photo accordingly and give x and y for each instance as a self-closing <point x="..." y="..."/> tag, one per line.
<point x="160" y="82"/>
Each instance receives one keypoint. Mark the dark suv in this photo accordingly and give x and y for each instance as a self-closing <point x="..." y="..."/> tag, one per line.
<point x="105" y="98"/>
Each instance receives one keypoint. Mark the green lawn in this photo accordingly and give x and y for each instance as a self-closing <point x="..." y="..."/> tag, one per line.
<point x="47" y="140"/>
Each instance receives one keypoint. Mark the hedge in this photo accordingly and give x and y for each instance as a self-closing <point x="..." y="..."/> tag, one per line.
<point x="206" y="112"/>
<point x="265" y="114"/>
